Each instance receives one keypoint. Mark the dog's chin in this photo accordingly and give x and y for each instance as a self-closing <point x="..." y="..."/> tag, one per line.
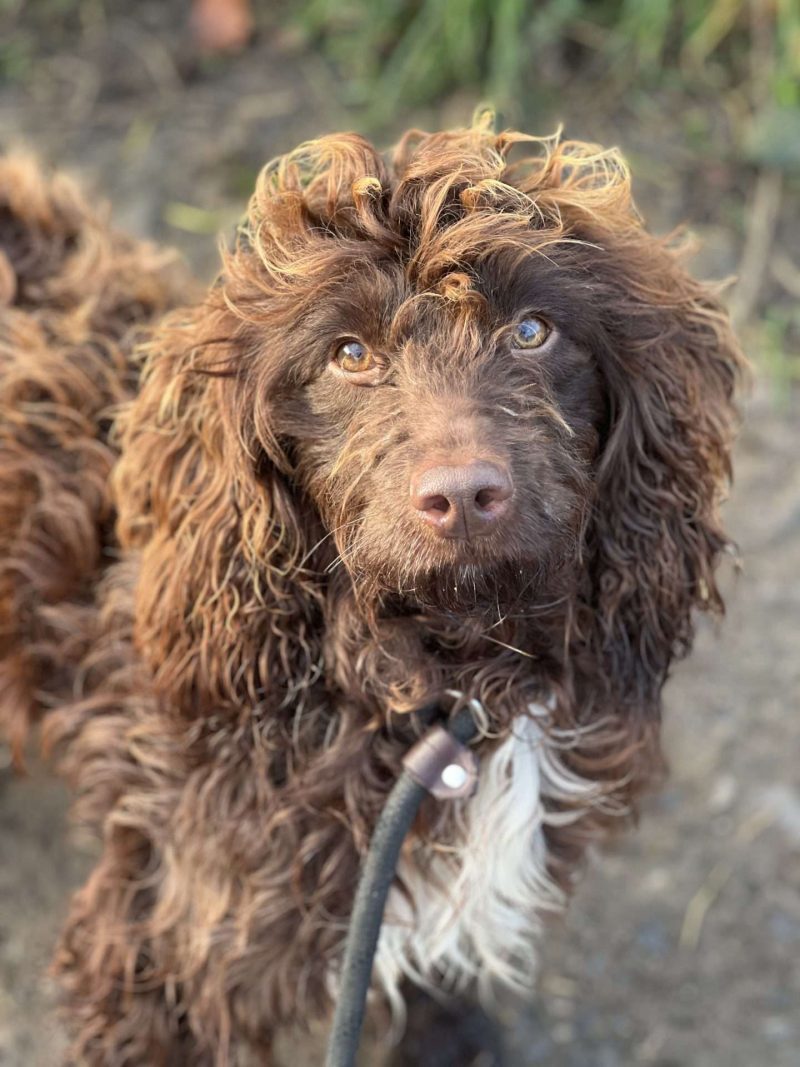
<point x="488" y="578"/>
<point x="487" y="590"/>
<point x="481" y="589"/>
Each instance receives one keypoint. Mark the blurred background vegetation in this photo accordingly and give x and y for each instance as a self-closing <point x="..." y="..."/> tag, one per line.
<point x="407" y="52"/>
<point x="702" y="95"/>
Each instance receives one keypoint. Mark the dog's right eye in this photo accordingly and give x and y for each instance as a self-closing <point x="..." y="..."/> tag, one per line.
<point x="354" y="357"/>
<point x="357" y="362"/>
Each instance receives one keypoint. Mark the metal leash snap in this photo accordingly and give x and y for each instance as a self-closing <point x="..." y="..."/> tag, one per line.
<point x="442" y="765"/>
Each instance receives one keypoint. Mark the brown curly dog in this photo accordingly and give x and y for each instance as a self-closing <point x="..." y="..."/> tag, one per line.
<point x="451" y="428"/>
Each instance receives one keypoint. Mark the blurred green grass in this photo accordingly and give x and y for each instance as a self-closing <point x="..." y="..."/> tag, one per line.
<point x="413" y="51"/>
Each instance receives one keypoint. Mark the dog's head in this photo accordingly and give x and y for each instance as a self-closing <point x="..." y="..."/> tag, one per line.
<point x="469" y="384"/>
<point x="426" y="370"/>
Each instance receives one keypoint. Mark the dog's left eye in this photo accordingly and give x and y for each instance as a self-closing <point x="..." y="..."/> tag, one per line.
<point x="530" y="333"/>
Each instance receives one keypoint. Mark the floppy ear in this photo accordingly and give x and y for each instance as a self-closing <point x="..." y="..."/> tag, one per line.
<point x="671" y="369"/>
<point x="225" y="613"/>
<point x="671" y="366"/>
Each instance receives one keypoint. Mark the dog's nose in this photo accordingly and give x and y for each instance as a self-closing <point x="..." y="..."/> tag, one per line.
<point x="462" y="501"/>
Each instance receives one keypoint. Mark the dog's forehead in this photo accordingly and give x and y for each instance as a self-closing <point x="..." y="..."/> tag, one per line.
<point x="405" y="295"/>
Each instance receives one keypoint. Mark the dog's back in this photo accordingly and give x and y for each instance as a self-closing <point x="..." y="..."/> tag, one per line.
<point x="72" y="292"/>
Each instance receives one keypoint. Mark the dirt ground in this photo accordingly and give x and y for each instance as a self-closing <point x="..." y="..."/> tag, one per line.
<point x="682" y="947"/>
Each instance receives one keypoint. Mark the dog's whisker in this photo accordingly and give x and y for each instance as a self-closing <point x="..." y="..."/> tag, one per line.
<point x="331" y="533"/>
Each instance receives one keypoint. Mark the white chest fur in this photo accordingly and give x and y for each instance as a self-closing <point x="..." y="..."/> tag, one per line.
<point x="470" y="912"/>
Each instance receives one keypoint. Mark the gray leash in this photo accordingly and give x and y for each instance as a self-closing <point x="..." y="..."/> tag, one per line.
<point x="439" y="764"/>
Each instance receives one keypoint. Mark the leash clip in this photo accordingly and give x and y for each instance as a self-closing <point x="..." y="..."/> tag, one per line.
<point x="442" y="765"/>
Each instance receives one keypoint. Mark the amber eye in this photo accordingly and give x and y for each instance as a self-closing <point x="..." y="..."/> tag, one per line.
<point x="354" y="357"/>
<point x="530" y="333"/>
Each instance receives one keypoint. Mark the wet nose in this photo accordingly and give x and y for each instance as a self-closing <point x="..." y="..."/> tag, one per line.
<point x="462" y="501"/>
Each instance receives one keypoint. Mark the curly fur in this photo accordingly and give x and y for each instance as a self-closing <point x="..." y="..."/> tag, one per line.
<point x="70" y="292"/>
<point x="233" y="693"/>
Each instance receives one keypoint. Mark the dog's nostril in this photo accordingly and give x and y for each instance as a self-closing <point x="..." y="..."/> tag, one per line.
<point x="484" y="498"/>
<point x="438" y="504"/>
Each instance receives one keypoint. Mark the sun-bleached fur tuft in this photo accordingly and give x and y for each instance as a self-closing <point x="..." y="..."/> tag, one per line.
<point x="232" y="628"/>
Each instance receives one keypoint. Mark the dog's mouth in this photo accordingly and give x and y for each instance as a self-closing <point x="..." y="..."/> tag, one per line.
<point x="488" y="575"/>
<point x="478" y="588"/>
<point x="484" y="589"/>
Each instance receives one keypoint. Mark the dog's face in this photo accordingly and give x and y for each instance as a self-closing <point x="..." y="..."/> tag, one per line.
<point x="446" y="435"/>
<point x="472" y="385"/>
